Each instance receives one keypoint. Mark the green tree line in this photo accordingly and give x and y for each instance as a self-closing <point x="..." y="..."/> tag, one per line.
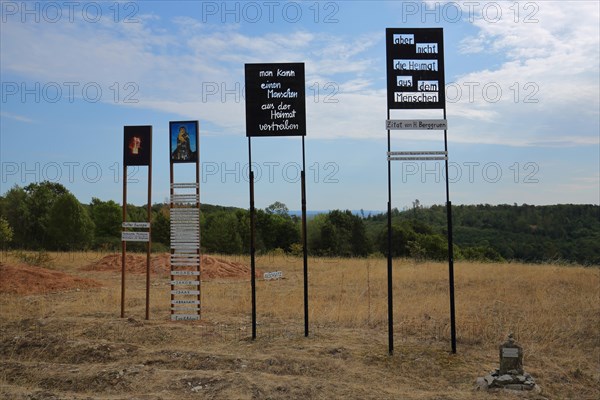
<point x="47" y="216"/>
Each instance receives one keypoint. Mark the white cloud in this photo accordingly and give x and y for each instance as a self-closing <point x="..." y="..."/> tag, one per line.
<point x="549" y="79"/>
<point x="548" y="75"/>
<point x="16" y="117"/>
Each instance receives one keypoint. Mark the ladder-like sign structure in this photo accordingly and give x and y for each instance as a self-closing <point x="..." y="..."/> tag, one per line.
<point x="185" y="225"/>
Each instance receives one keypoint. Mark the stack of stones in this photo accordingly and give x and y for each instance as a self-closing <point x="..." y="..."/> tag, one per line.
<point x="510" y="375"/>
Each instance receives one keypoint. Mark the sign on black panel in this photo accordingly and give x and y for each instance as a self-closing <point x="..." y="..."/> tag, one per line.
<point x="415" y="68"/>
<point x="275" y="103"/>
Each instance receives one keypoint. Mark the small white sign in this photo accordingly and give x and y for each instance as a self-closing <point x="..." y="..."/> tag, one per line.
<point x="186" y="273"/>
<point x="185" y="301"/>
<point x="416" y="124"/>
<point x="136" y="225"/>
<point x="191" y="283"/>
<point x="510" y="352"/>
<point x="185" y="317"/>
<point x="185" y="292"/>
<point x="273" y="275"/>
<point x="135" y="236"/>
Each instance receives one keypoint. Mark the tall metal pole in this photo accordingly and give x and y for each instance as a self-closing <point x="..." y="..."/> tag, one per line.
<point x="149" y="248"/>
<point x="389" y="258"/>
<point x="252" y="242"/>
<point x="304" y="240"/>
<point x="171" y="206"/>
<point x="450" y="248"/>
<point x="198" y="252"/>
<point x="123" y="243"/>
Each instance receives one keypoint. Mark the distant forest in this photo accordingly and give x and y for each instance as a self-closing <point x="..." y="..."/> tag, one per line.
<point x="46" y="216"/>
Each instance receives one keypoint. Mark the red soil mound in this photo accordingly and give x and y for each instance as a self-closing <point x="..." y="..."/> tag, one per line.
<point x="211" y="267"/>
<point x="24" y="279"/>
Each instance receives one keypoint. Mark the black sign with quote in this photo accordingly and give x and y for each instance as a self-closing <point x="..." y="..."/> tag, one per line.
<point x="275" y="99"/>
<point x="415" y="68"/>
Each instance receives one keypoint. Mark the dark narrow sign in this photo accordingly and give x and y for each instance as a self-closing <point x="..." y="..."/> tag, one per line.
<point x="415" y="68"/>
<point x="275" y="99"/>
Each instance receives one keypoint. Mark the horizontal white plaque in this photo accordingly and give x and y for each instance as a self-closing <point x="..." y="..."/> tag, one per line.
<point x="185" y="273"/>
<point x="417" y="158"/>
<point x="183" y="283"/>
<point x="136" y="225"/>
<point x="185" y="292"/>
<point x="185" y="317"/>
<point x="192" y="309"/>
<point x="510" y="352"/>
<point x="185" y="264"/>
<point x="185" y="301"/>
<point x="273" y="275"/>
<point x="184" y="185"/>
<point x="416" y="153"/>
<point x="416" y="124"/>
<point x="135" y="236"/>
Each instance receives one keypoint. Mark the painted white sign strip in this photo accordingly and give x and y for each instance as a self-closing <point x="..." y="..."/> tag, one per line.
<point x="185" y="292"/>
<point x="135" y="236"/>
<point x="183" y="283"/>
<point x="185" y="273"/>
<point x="185" y="264"/>
<point x="417" y="158"/>
<point x="185" y="301"/>
<point x="185" y="317"/>
<point x="136" y="225"/>
<point x="186" y="247"/>
<point x="416" y="153"/>
<point x="416" y="124"/>
<point x="192" y="185"/>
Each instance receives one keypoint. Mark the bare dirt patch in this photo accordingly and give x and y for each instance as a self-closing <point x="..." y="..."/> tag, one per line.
<point x="24" y="279"/>
<point x="211" y="267"/>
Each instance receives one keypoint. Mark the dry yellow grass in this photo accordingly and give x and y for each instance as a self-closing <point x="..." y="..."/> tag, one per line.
<point x="553" y="310"/>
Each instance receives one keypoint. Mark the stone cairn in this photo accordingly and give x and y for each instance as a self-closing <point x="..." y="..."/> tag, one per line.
<point x="510" y="375"/>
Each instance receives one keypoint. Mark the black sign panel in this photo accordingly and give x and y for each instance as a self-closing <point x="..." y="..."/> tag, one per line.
<point x="183" y="141"/>
<point x="137" y="145"/>
<point x="415" y="68"/>
<point x="275" y="103"/>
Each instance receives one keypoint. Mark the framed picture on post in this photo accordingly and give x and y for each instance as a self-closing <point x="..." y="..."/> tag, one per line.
<point x="137" y="145"/>
<point x="183" y="141"/>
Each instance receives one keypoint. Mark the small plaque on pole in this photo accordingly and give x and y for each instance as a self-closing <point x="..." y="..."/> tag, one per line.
<point x="416" y="124"/>
<point x="135" y="236"/>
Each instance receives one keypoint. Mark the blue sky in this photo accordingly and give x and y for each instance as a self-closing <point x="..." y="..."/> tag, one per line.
<point x="522" y="90"/>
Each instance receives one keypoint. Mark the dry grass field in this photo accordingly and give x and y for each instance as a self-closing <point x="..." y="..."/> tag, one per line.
<point x="73" y="345"/>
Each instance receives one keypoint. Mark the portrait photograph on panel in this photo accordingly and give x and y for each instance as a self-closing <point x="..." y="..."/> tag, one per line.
<point x="183" y="141"/>
<point x="137" y="146"/>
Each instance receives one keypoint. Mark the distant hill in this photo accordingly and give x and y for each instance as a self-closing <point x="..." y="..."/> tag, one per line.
<point x="563" y="232"/>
